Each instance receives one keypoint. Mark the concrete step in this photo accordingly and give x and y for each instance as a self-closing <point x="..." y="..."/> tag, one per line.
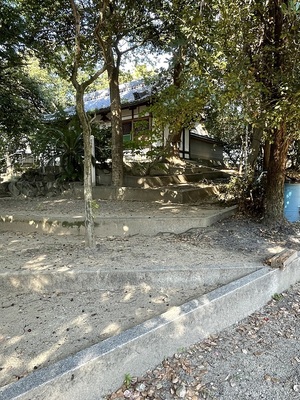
<point x="166" y="180"/>
<point x="204" y="279"/>
<point x="114" y="225"/>
<point x="180" y="193"/>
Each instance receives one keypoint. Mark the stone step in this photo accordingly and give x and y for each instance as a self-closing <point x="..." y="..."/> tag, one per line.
<point x="165" y="180"/>
<point x="182" y="194"/>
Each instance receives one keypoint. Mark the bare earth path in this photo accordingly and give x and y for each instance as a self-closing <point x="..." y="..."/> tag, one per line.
<point x="246" y="361"/>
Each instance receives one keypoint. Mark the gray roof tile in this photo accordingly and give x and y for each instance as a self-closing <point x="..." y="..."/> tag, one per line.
<point x="131" y="92"/>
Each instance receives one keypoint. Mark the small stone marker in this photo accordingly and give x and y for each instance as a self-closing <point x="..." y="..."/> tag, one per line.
<point x="283" y="259"/>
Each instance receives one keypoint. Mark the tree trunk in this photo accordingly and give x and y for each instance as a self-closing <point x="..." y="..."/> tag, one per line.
<point x="175" y="134"/>
<point x="88" y="195"/>
<point x="274" y="71"/>
<point x="274" y="196"/>
<point x="9" y="168"/>
<point x="267" y="152"/>
<point x="116" y="123"/>
<point x="255" y="148"/>
<point x="173" y="143"/>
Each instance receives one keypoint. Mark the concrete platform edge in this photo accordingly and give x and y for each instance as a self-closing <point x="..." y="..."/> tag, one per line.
<point x="111" y="226"/>
<point x="94" y="372"/>
<point x="80" y="280"/>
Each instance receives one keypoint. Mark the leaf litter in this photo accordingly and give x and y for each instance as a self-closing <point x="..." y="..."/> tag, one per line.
<point x="258" y="358"/>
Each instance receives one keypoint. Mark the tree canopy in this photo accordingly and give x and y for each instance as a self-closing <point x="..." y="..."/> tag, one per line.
<point x="233" y="64"/>
<point x="22" y="98"/>
<point x="259" y="43"/>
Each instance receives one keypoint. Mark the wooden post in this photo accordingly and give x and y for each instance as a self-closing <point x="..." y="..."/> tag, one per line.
<point x="93" y="165"/>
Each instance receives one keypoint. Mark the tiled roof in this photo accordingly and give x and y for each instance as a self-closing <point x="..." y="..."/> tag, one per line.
<point x="130" y="93"/>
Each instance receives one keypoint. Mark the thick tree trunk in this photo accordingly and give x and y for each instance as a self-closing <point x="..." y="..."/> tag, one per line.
<point x="116" y="123"/>
<point x="255" y="148"/>
<point x="267" y="152"/>
<point x="273" y="72"/>
<point x="88" y="195"/>
<point x="274" y="195"/>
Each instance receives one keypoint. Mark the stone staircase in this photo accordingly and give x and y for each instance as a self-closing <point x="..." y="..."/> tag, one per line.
<point x="184" y="185"/>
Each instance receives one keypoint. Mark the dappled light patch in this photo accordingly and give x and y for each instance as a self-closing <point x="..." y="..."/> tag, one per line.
<point x="65" y="268"/>
<point x="14" y="241"/>
<point x="295" y="240"/>
<point x="8" y="218"/>
<point x="80" y="322"/>
<point x="275" y="249"/>
<point x="33" y="283"/>
<point x="111" y="329"/>
<point x="105" y="296"/>
<point x="127" y="297"/>
<point x="172" y="208"/>
<point x="128" y="293"/>
<point x="11" y="341"/>
<point x="145" y="288"/>
<point x="176" y="316"/>
<point x="18" y="367"/>
<point x="160" y="299"/>
<point x="36" y="263"/>
<point x="54" y="202"/>
<point x="58" y="201"/>
<point x="172" y="313"/>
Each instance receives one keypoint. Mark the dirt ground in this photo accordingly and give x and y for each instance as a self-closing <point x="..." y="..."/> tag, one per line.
<point x="198" y="373"/>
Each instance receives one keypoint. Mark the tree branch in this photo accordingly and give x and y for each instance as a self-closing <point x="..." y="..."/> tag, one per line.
<point x="77" y="50"/>
<point x="92" y="78"/>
